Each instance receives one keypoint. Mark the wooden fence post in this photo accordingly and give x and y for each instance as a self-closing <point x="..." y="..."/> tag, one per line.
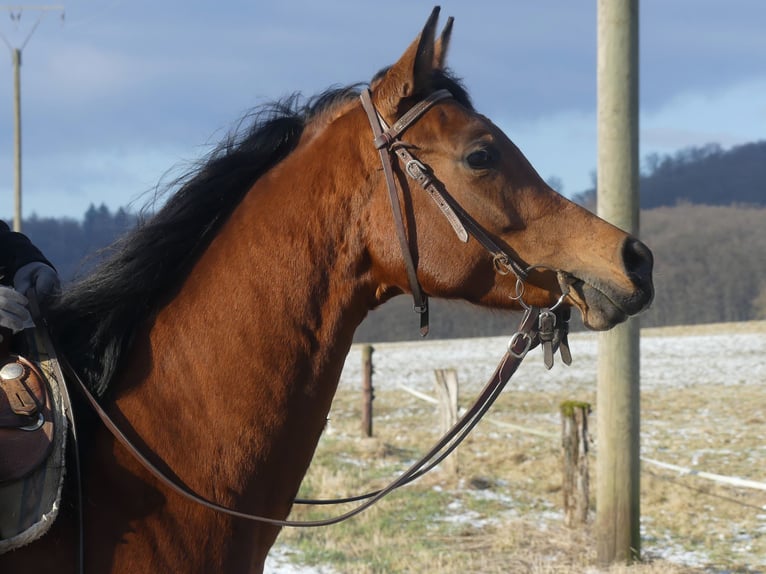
<point x="447" y="392"/>
<point x="368" y="394"/>
<point x="574" y="442"/>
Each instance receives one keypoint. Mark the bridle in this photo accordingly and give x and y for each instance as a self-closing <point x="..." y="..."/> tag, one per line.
<point x="387" y="142"/>
<point x="547" y="327"/>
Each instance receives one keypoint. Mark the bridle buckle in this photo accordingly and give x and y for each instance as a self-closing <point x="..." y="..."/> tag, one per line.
<point x="416" y="169"/>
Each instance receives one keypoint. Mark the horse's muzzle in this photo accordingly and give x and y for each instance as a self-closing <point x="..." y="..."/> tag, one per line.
<point x="638" y="262"/>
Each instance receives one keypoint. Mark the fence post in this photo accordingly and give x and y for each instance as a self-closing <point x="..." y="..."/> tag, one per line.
<point x="447" y="392"/>
<point x="574" y="443"/>
<point x="368" y="394"/>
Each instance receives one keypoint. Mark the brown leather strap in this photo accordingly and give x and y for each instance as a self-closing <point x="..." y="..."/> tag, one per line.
<point x="386" y="140"/>
<point x="453" y="211"/>
<point x="421" y="174"/>
<point x="23" y="402"/>
<point x="421" y="300"/>
<point x="518" y="348"/>
<point x="522" y="342"/>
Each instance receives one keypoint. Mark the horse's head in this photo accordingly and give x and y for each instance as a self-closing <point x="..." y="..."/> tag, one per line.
<point x="552" y="245"/>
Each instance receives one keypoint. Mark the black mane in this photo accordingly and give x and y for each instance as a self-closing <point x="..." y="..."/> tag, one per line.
<point x="95" y="319"/>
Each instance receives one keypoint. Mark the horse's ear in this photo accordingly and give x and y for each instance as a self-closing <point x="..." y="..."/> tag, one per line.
<point x="411" y="75"/>
<point x="442" y="45"/>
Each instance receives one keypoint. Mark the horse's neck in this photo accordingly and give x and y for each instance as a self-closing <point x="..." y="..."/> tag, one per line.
<point x="244" y="362"/>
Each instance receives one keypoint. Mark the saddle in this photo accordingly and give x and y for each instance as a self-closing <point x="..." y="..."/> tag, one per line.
<point x="33" y="428"/>
<point x="26" y="418"/>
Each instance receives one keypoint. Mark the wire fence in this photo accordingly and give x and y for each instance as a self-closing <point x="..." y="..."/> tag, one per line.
<point x="733" y="481"/>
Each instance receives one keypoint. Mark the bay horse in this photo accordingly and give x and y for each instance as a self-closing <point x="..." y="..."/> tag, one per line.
<point x="216" y="331"/>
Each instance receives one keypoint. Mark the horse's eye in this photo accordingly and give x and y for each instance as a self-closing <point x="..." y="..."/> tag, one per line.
<point x="481" y="158"/>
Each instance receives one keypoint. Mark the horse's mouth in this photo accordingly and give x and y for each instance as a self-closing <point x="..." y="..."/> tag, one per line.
<point x="602" y="308"/>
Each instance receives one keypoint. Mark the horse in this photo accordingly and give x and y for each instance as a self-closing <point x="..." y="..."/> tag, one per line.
<point x="214" y="334"/>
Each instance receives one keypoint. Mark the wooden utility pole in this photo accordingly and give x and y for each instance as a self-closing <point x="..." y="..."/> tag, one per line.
<point x="16" y="57"/>
<point x="617" y="405"/>
<point x="15" y="13"/>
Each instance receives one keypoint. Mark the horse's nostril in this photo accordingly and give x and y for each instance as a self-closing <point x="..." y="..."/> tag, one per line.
<point x="638" y="260"/>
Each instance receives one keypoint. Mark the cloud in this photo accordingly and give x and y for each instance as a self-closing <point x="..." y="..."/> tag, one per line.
<point x="66" y="183"/>
<point x="729" y="116"/>
<point x="561" y="145"/>
<point x="564" y="144"/>
<point x="123" y="90"/>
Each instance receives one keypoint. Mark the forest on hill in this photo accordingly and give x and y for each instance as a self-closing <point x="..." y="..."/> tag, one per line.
<point x="71" y="245"/>
<point x="710" y="267"/>
<point x="705" y="175"/>
<point x="703" y="216"/>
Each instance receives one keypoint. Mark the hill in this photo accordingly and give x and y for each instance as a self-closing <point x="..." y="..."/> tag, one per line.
<point x="710" y="265"/>
<point x="709" y="268"/>
<point x="72" y="245"/>
<point x="703" y="175"/>
<point x="707" y="175"/>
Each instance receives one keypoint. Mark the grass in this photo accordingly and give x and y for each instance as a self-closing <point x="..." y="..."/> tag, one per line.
<point x="501" y="512"/>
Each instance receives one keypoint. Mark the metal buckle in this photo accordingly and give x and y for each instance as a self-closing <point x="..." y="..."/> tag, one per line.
<point x="546" y="325"/>
<point x="416" y="169"/>
<point x="518" y="336"/>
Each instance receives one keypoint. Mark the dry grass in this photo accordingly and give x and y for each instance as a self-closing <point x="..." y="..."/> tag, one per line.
<point x="501" y="513"/>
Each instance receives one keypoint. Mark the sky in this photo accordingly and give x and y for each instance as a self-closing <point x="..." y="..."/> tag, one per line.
<point x="118" y="96"/>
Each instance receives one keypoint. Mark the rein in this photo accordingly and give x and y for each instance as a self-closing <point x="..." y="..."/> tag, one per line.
<point x="528" y="335"/>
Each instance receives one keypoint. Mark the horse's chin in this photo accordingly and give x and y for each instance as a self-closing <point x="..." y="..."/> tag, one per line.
<point x="599" y="311"/>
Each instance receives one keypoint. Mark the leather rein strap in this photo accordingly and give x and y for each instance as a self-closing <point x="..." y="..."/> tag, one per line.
<point x="525" y="338"/>
<point x="387" y="141"/>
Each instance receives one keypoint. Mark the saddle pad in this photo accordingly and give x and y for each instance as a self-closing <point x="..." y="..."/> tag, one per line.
<point x="29" y="506"/>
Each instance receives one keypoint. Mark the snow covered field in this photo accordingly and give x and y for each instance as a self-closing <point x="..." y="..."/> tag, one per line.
<point x="673" y="360"/>
<point x="718" y="358"/>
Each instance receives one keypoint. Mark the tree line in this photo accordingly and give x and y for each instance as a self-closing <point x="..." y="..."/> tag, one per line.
<point x="708" y="240"/>
<point x="73" y="246"/>
<point x="705" y="175"/>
